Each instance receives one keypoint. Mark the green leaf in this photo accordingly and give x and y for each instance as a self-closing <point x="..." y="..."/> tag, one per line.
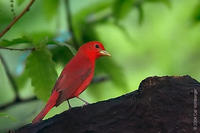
<point x="80" y="18"/>
<point x="8" y="116"/>
<point x="32" y="38"/>
<point x="3" y="114"/>
<point x="196" y="14"/>
<point x="166" y="2"/>
<point x="61" y="54"/>
<point x="69" y="46"/>
<point x="121" y="8"/>
<point x="41" y="70"/>
<point x="21" y="80"/>
<point x="141" y="13"/>
<point x="19" y="2"/>
<point x="21" y="40"/>
<point x="113" y="70"/>
<point x="50" y="8"/>
<point x="43" y="37"/>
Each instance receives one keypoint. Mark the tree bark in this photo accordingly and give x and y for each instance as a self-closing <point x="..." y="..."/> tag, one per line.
<point x="160" y="105"/>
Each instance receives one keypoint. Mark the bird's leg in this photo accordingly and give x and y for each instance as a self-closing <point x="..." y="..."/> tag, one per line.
<point x="86" y="103"/>
<point x="69" y="104"/>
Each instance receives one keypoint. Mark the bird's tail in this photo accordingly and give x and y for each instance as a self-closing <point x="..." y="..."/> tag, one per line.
<point x="50" y="104"/>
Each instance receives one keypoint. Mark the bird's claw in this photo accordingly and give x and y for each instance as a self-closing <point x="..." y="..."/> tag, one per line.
<point x="85" y="105"/>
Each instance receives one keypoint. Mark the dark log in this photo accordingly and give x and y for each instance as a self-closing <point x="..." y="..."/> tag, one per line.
<point x="160" y="105"/>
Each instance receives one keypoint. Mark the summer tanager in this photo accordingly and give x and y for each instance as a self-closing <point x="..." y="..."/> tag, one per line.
<point x="75" y="77"/>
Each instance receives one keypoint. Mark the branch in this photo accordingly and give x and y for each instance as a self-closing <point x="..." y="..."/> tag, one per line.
<point x="16" y="18"/>
<point x="17" y="49"/>
<point x="161" y="105"/>
<point x="17" y="102"/>
<point x="69" y="19"/>
<point x="11" y="79"/>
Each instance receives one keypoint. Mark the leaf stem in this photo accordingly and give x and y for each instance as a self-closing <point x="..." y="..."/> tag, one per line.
<point x="70" y="25"/>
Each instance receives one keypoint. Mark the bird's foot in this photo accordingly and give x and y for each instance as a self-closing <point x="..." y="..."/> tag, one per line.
<point x="86" y="103"/>
<point x="69" y="105"/>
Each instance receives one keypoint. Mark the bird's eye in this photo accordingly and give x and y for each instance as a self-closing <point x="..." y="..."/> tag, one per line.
<point x="96" y="46"/>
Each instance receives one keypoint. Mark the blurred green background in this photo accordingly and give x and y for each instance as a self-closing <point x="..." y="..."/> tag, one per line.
<point x="145" y="37"/>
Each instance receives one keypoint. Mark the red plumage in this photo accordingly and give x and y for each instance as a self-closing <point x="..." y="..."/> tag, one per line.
<point x="75" y="77"/>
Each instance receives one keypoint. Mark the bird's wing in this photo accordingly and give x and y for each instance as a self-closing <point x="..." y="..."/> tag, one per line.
<point x="72" y="77"/>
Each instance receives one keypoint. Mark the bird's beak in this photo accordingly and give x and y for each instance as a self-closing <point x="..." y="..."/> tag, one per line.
<point x="105" y="53"/>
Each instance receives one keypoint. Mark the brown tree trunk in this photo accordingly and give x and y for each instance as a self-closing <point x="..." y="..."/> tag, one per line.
<point x="160" y="105"/>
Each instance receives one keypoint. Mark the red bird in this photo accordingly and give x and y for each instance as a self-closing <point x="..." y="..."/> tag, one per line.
<point x="75" y="77"/>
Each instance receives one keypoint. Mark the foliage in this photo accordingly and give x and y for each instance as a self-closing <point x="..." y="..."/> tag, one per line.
<point x="19" y="2"/>
<point x="121" y="8"/>
<point x="7" y="116"/>
<point x="15" y="41"/>
<point x="50" y="7"/>
<point x="196" y="15"/>
<point x="163" y="43"/>
<point x="41" y="70"/>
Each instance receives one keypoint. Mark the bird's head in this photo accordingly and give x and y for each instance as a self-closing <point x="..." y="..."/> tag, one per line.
<point x="94" y="49"/>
